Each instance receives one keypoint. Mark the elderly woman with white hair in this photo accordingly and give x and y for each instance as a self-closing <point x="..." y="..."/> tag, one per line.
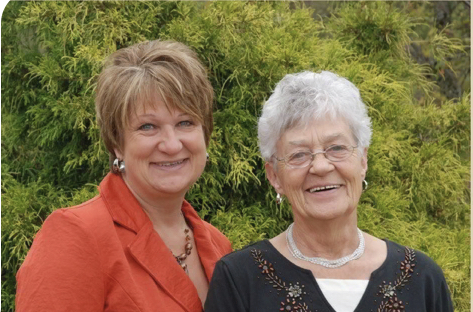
<point x="314" y="135"/>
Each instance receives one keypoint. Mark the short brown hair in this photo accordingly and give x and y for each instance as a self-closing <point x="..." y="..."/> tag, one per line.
<point x="134" y="75"/>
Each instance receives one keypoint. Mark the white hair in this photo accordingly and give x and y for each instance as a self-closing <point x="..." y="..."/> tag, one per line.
<point x="305" y="97"/>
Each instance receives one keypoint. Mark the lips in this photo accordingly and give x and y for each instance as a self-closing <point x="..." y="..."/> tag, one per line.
<point x="324" y="188"/>
<point x="168" y="164"/>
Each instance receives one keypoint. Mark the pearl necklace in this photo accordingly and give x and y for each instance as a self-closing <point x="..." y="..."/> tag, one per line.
<point x="331" y="264"/>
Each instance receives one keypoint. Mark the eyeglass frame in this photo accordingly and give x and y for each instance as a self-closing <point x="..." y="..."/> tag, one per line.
<point x="319" y="151"/>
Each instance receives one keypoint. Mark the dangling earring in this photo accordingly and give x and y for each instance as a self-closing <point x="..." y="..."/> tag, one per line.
<point x="365" y="186"/>
<point x="115" y="167"/>
<point x="207" y="155"/>
<point x="121" y="168"/>
<point x="279" y="199"/>
<point x="118" y="166"/>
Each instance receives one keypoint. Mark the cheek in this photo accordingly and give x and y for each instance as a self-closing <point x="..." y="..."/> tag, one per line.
<point x="137" y="146"/>
<point x="195" y="145"/>
<point x="292" y="186"/>
<point x="138" y="152"/>
<point x="356" y="185"/>
<point x="291" y="178"/>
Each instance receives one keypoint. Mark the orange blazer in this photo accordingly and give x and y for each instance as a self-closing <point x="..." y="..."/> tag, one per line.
<point x="104" y="255"/>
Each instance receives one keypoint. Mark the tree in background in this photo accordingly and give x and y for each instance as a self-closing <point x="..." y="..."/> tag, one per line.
<point x="52" y="155"/>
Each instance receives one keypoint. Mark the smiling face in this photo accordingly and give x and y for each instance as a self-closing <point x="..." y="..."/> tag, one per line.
<point x="164" y="152"/>
<point x="324" y="189"/>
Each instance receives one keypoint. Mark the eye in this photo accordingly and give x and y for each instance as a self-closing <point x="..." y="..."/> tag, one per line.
<point x="146" y="126"/>
<point x="185" y="123"/>
<point x="337" y="148"/>
<point x="298" y="157"/>
<point x="338" y="152"/>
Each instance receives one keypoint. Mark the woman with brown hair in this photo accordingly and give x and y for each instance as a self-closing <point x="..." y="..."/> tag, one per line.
<point x="138" y="245"/>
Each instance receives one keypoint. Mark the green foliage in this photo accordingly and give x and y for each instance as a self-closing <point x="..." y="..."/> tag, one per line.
<point x="52" y="155"/>
<point x="373" y="28"/>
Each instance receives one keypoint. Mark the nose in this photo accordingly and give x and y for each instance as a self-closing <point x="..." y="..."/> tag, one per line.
<point x="170" y="143"/>
<point x="320" y="165"/>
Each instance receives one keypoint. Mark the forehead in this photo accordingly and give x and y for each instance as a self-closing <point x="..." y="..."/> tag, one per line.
<point x="153" y="103"/>
<point x="318" y="132"/>
<point x="152" y="100"/>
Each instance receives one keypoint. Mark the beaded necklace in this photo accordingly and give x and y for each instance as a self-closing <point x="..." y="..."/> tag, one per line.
<point x="187" y="249"/>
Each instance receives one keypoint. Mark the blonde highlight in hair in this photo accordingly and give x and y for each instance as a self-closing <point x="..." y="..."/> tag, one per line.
<point x="139" y="75"/>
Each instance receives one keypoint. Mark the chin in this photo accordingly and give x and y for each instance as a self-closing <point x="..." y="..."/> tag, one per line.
<point x="170" y="188"/>
<point x="327" y="212"/>
<point x="322" y="216"/>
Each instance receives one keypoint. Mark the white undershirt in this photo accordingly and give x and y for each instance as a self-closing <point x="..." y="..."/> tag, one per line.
<point x="343" y="295"/>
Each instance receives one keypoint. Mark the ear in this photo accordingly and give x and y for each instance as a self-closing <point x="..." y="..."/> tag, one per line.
<point x="118" y="153"/>
<point x="272" y="176"/>
<point x="364" y="163"/>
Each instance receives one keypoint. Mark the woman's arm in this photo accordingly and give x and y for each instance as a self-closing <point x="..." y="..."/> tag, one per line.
<point x="223" y="295"/>
<point x="443" y="300"/>
<point x="62" y="270"/>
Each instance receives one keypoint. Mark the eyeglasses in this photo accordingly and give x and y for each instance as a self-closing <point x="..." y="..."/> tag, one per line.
<point x="303" y="159"/>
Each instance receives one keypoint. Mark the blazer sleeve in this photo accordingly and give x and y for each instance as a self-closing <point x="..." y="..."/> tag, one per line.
<point x="223" y="294"/>
<point x="62" y="270"/>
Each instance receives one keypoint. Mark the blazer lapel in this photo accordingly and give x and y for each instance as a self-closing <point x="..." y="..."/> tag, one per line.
<point x="208" y="253"/>
<point x="151" y="253"/>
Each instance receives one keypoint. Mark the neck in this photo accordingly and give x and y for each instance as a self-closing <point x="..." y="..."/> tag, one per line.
<point x="330" y="239"/>
<point x="164" y="211"/>
<point x="167" y="215"/>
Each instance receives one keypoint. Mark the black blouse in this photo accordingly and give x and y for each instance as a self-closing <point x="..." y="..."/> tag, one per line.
<point x="258" y="278"/>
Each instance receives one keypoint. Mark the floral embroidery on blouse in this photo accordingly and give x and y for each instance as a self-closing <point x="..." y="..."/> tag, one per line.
<point x="389" y="291"/>
<point x="294" y="292"/>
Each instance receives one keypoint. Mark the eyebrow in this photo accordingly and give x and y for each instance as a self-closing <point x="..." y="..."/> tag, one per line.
<point x="325" y="139"/>
<point x="153" y="115"/>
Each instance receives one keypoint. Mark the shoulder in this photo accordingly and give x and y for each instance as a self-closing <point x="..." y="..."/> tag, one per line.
<point x="244" y="256"/>
<point x="93" y="209"/>
<point x="64" y="240"/>
<point x="417" y="264"/>
<point x="71" y="224"/>
<point x="239" y="267"/>
<point x="407" y="253"/>
<point x="422" y="279"/>
<point x="67" y="229"/>
<point x="91" y="215"/>
<point x="65" y="258"/>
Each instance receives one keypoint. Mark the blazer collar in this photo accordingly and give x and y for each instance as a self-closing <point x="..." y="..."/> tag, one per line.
<point x="149" y="250"/>
<point x="122" y="204"/>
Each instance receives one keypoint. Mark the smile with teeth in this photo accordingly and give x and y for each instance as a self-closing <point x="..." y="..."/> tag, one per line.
<point x="170" y="164"/>
<point x="324" y="188"/>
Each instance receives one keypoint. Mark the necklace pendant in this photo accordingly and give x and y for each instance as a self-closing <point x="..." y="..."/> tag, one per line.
<point x="184" y="267"/>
